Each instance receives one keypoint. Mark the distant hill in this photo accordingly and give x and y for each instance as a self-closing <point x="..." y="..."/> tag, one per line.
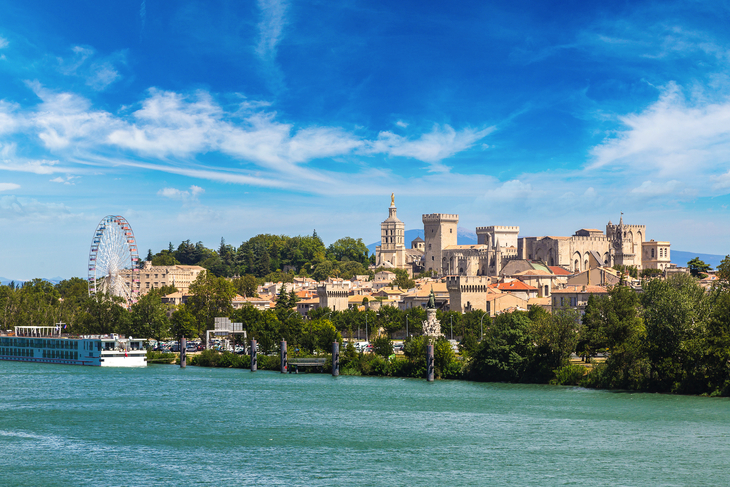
<point x="464" y="236"/>
<point x="18" y="282"/>
<point x="681" y="258"/>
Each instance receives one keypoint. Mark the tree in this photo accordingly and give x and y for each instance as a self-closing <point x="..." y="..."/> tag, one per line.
<point x="697" y="268"/>
<point x="210" y="298"/>
<point x="282" y="300"/>
<point x="723" y="271"/>
<point x="349" y="249"/>
<point x="183" y="323"/>
<point x="402" y="281"/>
<point x="149" y="318"/>
<point x="246" y="286"/>
<point x="505" y="353"/>
<point x="383" y="346"/>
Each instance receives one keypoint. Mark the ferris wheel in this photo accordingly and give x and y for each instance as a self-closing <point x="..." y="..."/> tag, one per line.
<point x="113" y="260"/>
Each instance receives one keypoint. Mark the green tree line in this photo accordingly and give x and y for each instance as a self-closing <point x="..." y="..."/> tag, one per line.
<point x="266" y="257"/>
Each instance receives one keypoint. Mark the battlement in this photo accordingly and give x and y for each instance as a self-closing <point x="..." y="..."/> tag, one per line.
<point x="440" y="217"/>
<point x="468" y="283"/>
<point x="498" y="228"/>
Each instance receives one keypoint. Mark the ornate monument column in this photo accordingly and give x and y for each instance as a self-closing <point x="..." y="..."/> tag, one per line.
<point x="432" y="326"/>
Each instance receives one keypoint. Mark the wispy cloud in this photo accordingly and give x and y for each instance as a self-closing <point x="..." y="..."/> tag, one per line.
<point x="433" y="147"/>
<point x="674" y="137"/>
<point x="3" y="43"/>
<point x="98" y="72"/>
<point x="177" y="194"/>
<point x="8" y="186"/>
<point x="68" y="180"/>
<point x="12" y="208"/>
<point x="270" y="33"/>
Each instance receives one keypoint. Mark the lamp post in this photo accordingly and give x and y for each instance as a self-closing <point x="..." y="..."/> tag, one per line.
<point x="406" y="327"/>
<point x="452" y="326"/>
<point x="367" y="338"/>
<point x="481" y="326"/>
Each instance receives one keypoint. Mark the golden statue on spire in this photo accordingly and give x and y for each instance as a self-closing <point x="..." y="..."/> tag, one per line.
<point x="392" y="199"/>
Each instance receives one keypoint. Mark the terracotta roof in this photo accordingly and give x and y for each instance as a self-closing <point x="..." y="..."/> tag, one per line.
<point x="513" y="286"/>
<point x="560" y="271"/>
<point x="539" y="301"/>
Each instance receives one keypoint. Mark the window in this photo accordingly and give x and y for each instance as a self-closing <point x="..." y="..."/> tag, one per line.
<point x="652" y="253"/>
<point x="451" y="230"/>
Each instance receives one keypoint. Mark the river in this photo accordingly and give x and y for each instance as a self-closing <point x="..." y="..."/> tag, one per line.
<point x="162" y="425"/>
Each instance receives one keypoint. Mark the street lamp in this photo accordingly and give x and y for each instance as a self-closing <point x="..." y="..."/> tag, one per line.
<point x="452" y="326"/>
<point x="406" y="327"/>
<point x="482" y="327"/>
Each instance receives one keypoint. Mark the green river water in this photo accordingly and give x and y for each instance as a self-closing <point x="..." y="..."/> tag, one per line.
<point x="162" y="425"/>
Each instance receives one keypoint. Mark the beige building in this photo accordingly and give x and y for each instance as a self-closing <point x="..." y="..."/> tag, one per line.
<point x="467" y="292"/>
<point x="655" y="255"/>
<point x="334" y="295"/>
<point x="180" y="276"/>
<point x="622" y="244"/>
<point x="576" y="297"/>
<point x="439" y="231"/>
<point x="392" y="251"/>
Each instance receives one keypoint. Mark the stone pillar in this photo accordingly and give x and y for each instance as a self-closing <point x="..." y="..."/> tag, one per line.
<point x="283" y="357"/>
<point x="183" y="358"/>
<point x="429" y="363"/>
<point x="254" y="365"/>
<point x="335" y="359"/>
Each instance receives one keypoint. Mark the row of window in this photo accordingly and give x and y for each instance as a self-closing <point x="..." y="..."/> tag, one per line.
<point x="573" y="302"/>
<point x="26" y="352"/>
<point x="39" y="343"/>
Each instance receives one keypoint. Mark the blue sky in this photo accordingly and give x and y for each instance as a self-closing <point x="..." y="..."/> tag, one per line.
<point x="202" y="120"/>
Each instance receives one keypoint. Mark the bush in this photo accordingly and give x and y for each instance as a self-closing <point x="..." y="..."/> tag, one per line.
<point x="569" y="375"/>
<point x="383" y="346"/>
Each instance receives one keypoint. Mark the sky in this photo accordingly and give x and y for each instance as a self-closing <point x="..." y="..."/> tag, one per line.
<point x="202" y="120"/>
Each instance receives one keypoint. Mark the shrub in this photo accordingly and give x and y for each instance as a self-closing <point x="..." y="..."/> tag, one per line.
<point x="569" y="375"/>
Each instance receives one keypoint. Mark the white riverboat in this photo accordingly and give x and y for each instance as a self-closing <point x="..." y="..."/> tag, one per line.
<point x="45" y="344"/>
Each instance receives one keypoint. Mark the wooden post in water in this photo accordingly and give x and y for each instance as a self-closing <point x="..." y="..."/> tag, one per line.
<point x="183" y="358"/>
<point x="284" y="362"/>
<point x="335" y="359"/>
<point x="429" y="363"/>
<point x="254" y="365"/>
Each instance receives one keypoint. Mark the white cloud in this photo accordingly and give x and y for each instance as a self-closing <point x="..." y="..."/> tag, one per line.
<point x="98" y="72"/>
<point x="442" y="142"/>
<point x="648" y="188"/>
<point x="8" y="186"/>
<point x="511" y="190"/>
<point x="68" y="180"/>
<point x="270" y="27"/>
<point x="65" y="118"/>
<point x="12" y="207"/>
<point x="3" y="43"/>
<point x="671" y="138"/>
<point x="401" y="124"/>
<point x="8" y="120"/>
<point x="177" y="194"/>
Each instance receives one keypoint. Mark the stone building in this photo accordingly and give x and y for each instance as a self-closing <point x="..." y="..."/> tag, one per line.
<point x="439" y="231"/>
<point x="334" y="295"/>
<point x="655" y="255"/>
<point x="392" y="252"/>
<point x="180" y="276"/>
<point x="467" y="293"/>
<point x="622" y="244"/>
